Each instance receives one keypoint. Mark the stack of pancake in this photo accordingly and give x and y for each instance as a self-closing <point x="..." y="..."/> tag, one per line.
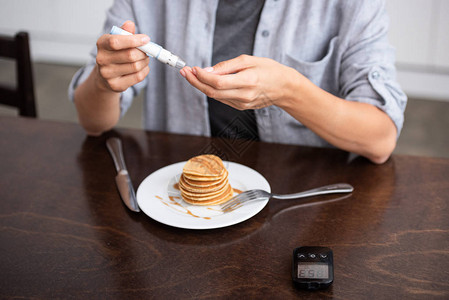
<point x="204" y="181"/>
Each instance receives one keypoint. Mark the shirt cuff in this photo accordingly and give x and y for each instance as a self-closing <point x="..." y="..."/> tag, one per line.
<point x="82" y="74"/>
<point x="384" y="93"/>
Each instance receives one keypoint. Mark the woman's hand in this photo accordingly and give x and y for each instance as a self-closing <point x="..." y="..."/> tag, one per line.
<point x="119" y="64"/>
<point x="249" y="82"/>
<point x="245" y="82"/>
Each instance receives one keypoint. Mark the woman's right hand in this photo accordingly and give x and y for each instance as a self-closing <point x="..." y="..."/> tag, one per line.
<point x="119" y="63"/>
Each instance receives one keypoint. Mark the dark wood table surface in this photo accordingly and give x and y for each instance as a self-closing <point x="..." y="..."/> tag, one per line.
<point x="64" y="232"/>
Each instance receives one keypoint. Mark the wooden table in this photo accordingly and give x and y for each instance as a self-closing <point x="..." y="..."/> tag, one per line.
<point x="64" y="232"/>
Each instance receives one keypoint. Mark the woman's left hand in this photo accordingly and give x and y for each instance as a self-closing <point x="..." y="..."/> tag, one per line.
<point x="249" y="82"/>
<point x="245" y="82"/>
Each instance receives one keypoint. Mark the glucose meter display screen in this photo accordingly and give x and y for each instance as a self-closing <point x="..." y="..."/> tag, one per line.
<point x="313" y="270"/>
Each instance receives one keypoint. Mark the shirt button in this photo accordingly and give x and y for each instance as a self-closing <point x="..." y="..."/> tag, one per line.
<point x="265" y="33"/>
<point x="375" y="75"/>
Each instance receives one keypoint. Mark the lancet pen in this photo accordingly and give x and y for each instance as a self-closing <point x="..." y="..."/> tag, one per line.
<point x="154" y="50"/>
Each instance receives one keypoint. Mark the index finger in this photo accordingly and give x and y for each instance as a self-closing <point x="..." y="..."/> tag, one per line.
<point x="222" y="82"/>
<point x="113" y="42"/>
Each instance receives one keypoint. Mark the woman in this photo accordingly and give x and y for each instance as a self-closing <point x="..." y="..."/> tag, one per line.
<point x="316" y="73"/>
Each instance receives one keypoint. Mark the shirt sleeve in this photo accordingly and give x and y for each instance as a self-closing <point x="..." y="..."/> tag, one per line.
<point x="368" y="72"/>
<point x="120" y="11"/>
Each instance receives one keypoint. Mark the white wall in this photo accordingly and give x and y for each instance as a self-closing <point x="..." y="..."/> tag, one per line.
<point x="64" y="31"/>
<point x="420" y="32"/>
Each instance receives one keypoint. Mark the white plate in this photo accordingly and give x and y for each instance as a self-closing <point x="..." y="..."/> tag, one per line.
<point x="160" y="200"/>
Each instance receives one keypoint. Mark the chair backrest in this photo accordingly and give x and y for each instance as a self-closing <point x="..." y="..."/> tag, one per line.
<point x="21" y="97"/>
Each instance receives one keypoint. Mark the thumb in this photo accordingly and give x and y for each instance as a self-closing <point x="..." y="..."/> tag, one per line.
<point x="129" y="26"/>
<point x="234" y="65"/>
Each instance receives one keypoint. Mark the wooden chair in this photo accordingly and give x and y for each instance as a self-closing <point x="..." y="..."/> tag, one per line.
<point x="21" y="97"/>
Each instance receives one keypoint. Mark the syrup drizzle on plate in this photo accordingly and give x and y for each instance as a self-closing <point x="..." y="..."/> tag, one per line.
<point x="176" y="203"/>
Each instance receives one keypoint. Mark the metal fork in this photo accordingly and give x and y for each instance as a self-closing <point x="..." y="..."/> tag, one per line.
<point x="254" y="195"/>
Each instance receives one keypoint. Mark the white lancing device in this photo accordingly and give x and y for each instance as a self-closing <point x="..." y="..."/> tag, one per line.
<point x="154" y="50"/>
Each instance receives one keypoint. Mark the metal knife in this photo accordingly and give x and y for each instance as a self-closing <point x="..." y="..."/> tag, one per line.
<point x="123" y="181"/>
